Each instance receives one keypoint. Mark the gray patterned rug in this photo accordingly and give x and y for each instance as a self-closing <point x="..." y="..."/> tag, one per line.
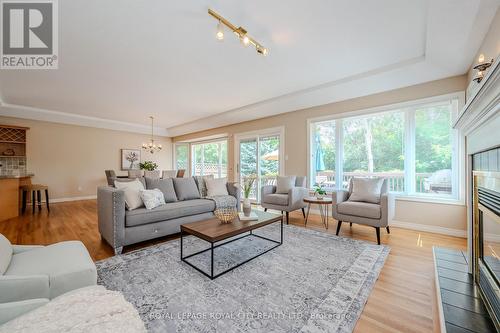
<point x="314" y="282"/>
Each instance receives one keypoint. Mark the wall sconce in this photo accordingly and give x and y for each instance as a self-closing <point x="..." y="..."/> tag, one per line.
<point x="481" y="67"/>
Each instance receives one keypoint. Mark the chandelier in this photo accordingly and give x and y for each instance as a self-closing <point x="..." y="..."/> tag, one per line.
<point x="151" y="146"/>
<point x="240" y="32"/>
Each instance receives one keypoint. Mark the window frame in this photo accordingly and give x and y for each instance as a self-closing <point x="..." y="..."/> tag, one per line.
<point x="188" y="162"/>
<point x="408" y="108"/>
<point x="192" y="160"/>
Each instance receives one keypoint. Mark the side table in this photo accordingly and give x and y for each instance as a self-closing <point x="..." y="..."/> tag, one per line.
<point x="323" y="204"/>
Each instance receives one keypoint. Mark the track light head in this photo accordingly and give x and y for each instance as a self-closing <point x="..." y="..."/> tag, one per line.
<point x="220" y="31"/>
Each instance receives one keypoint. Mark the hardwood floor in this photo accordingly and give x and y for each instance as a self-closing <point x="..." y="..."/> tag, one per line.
<point x="403" y="299"/>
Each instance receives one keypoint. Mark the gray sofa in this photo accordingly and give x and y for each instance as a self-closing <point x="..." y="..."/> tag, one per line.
<point x="121" y="227"/>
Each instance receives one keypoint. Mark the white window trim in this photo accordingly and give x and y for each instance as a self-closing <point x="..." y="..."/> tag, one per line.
<point x="262" y="133"/>
<point x="174" y="158"/>
<point x="458" y="182"/>
<point x="203" y="142"/>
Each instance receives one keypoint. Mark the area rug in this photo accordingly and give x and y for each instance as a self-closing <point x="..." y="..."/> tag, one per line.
<point x="314" y="282"/>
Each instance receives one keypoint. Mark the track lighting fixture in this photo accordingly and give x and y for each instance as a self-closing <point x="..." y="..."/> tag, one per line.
<point x="220" y="31"/>
<point x="240" y="32"/>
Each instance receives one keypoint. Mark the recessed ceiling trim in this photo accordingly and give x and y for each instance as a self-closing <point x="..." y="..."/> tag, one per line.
<point x="27" y="112"/>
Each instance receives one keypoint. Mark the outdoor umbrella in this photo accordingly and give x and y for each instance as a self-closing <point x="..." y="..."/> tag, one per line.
<point x="320" y="164"/>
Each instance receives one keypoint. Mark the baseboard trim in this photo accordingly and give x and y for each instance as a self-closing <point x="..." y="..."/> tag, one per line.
<point x="429" y="228"/>
<point x="88" y="197"/>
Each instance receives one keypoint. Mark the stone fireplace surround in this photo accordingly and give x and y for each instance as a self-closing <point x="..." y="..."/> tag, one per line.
<point x="479" y="123"/>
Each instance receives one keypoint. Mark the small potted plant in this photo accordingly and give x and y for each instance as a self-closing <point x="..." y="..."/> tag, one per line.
<point x="148" y="165"/>
<point x="247" y="188"/>
<point x="319" y="190"/>
<point x="149" y="168"/>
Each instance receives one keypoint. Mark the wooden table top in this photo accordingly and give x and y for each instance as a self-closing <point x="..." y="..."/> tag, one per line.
<point x="324" y="201"/>
<point x="212" y="230"/>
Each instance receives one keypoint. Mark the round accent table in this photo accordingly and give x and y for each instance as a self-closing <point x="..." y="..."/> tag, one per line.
<point x="323" y="204"/>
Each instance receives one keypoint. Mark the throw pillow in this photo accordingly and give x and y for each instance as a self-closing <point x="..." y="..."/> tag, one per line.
<point x="5" y="253"/>
<point x="186" y="188"/>
<point x="166" y="186"/>
<point x="201" y="182"/>
<point x="152" y="198"/>
<point x="366" y="189"/>
<point x="285" y="184"/>
<point x="128" y="180"/>
<point x="216" y="187"/>
<point x="132" y="197"/>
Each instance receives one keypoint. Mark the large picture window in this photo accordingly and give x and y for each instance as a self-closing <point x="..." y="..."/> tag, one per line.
<point x="413" y="147"/>
<point x="209" y="158"/>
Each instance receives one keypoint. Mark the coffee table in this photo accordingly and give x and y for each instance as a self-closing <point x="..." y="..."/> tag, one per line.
<point x="213" y="231"/>
<point x="323" y="212"/>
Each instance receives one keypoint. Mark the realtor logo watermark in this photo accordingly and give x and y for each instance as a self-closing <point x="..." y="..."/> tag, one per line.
<point x="29" y="34"/>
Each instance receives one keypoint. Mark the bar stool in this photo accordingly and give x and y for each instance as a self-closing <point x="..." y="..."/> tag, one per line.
<point x="31" y="190"/>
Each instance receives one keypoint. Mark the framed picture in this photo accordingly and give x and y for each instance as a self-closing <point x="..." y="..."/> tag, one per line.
<point x="131" y="159"/>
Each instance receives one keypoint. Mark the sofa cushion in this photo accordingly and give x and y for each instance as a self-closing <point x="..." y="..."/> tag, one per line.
<point x="276" y="199"/>
<point x="166" y="186"/>
<point x="186" y="188"/>
<point x="68" y="265"/>
<point x="168" y="211"/>
<point x="361" y="209"/>
<point x="132" y="193"/>
<point x="284" y="184"/>
<point x="216" y="187"/>
<point x="152" y="198"/>
<point x="5" y="253"/>
<point x="366" y="189"/>
<point x="201" y="183"/>
<point x="128" y="180"/>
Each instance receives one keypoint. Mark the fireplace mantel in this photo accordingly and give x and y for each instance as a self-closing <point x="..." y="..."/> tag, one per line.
<point x="484" y="105"/>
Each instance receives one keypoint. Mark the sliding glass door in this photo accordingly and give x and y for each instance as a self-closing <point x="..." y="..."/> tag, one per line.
<point x="258" y="158"/>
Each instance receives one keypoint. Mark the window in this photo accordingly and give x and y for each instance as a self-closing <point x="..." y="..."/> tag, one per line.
<point x="413" y="147"/>
<point x="209" y="158"/>
<point x="181" y="156"/>
<point x="433" y="150"/>
<point x="374" y="145"/>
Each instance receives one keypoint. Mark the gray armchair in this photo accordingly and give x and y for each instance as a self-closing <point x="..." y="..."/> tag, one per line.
<point x="370" y="214"/>
<point x="293" y="200"/>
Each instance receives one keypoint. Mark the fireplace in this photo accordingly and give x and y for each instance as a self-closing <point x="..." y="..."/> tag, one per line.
<point x="486" y="228"/>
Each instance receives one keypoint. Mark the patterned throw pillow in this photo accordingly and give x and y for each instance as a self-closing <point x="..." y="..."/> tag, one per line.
<point x="201" y="181"/>
<point x="152" y="198"/>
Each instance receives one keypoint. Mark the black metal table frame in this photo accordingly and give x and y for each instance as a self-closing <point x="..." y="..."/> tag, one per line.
<point x="212" y="247"/>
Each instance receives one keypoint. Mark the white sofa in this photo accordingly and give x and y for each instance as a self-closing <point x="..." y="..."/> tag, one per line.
<point x="32" y="275"/>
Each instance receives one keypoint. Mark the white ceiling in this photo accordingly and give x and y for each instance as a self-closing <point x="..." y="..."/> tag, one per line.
<point x="121" y="61"/>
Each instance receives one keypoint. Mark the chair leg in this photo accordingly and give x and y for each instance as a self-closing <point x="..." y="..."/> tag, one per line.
<point x="303" y="212"/>
<point x="377" y="230"/>
<point x="39" y="199"/>
<point x="388" y="231"/>
<point x="265" y="209"/>
<point x="24" y="202"/>
<point x="287" y="218"/>
<point x="33" y="201"/>
<point x="350" y="224"/>
<point x="47" y="199"/>
<point x="338" y="227"/>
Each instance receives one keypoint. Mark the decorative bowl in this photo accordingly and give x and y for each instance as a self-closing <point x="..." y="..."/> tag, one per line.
<point x="226" y="215"/>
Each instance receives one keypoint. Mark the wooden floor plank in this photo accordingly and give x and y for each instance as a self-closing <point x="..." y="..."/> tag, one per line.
<point x="403" y="298"/>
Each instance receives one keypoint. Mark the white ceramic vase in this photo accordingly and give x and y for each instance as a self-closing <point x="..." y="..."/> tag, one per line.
<point x="247" y="207"/>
